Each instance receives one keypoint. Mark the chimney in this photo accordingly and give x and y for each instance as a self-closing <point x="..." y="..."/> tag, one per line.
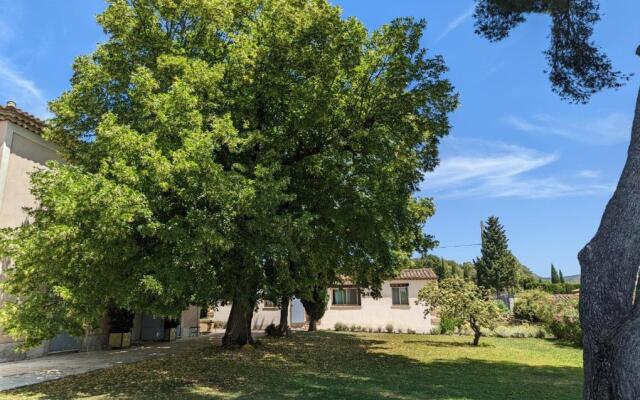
<point x="11" y="103"/>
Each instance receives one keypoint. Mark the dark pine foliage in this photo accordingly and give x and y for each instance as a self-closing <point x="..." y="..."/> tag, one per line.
<point x="577" y="67"/>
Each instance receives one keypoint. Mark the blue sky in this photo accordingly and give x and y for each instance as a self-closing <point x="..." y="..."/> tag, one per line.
<point x="545" y="167"/>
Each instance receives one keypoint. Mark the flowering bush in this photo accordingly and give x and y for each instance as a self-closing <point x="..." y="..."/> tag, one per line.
<point x="565" y="322"/>
<point x="534" y="306"/>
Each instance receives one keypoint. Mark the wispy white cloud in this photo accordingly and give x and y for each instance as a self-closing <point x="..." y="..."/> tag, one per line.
<point x="14" y="86"/>
<point x="600" y="129"/>
<point x="456" y="22"/>
<point x="588" y="174"/>
<point x="489" y="169"/>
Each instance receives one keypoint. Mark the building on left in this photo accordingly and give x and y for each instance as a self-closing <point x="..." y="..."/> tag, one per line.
<point x="23" y="150"/>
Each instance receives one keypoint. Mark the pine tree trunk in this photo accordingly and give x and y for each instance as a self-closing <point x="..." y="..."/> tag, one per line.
<point x="283" y="327"/>
<point x="609" y="312"/>
<point x="238" y="332"/>
<point x="313" y="325"/>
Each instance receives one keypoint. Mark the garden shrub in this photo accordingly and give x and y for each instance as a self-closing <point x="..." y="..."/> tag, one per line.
<point x="389" y="328"/>
<point x="565" y="323"/>
<point x="339" y="326"/>
<point x="534" y="306"/>
<point x="520" y="331"/>
<point x="448" y="325"/>
<point x="272" y="330"/>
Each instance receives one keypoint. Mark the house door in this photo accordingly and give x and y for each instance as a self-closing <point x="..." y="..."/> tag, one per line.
<point x="298" y="316"/>
<point x="152" y="328"/>
<point x="64" y="342"/>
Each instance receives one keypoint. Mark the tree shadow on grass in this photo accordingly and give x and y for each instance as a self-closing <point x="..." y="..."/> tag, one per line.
<point x="316" y="366"/>
<point x="435" y="343"/>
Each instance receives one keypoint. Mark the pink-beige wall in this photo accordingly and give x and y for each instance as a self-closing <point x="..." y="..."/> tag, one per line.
<point x="27" y="152"/>
<point x="371" y="313"/>
<point x="377" y="313"/>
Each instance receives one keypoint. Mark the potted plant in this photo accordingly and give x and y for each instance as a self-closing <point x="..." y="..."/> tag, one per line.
<point x="120" y="324"/>
<point x="170" y="325"/>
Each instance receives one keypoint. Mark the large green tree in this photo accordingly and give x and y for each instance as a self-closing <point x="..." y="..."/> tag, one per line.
<point x="497" y="268"/>
<point x="609" y="312"/>
<point x="206" y="139"/>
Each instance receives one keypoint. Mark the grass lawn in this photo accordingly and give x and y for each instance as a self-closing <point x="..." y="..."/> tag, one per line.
<point x="329" y="365"/>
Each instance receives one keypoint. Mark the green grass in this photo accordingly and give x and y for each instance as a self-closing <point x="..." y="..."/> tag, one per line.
<point x="329" y="365"/>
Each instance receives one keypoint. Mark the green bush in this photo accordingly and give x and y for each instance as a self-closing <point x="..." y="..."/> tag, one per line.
<point x="520" y="331"/>
<point x="534" y="306"/>
<point x="339" y="326"/>
<point x="389" y="328"/>
<point x="565" y="323"/>
<point x="272" y="330"/>
<point x="448" y="325"/>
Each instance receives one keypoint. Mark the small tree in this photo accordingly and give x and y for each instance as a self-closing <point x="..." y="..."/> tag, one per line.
<point x="456" y="299"/>
<point x="315" y="304"/>
<point x="555" y="278"/>
<point x="561" y="277"/>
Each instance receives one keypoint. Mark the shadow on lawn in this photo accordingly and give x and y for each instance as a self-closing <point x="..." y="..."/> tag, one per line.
<point x="317" y="366"/>
<point x="435" y="343"/>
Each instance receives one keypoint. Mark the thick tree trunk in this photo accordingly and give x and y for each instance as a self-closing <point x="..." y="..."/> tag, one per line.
<point x="283" y="327"/>
<point x="238" y="332"/>
<point x="313" y="325"/>
<point x="609" y="312"/>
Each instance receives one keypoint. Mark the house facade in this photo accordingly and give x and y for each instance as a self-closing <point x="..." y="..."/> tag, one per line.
<point x="351" y="306"/>
<point x="22" y="151"/>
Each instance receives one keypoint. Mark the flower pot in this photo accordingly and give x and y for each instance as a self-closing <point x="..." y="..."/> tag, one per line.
<point x="120" y="340"/>
<point x="170" y="334"/>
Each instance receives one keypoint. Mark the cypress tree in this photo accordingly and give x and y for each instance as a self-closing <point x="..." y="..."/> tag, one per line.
<point x="496" y="268"/>
<point x="555" y="278"/>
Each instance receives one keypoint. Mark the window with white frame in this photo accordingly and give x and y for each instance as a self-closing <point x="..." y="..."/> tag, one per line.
<point x="346" y="296"/>
<point x="400" y="294"/>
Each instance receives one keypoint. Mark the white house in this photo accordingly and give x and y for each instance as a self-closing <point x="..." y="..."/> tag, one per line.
<point x="351" y="306"/>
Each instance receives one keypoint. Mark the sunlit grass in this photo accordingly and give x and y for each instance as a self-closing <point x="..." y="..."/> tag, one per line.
<point x="330" y="365"/>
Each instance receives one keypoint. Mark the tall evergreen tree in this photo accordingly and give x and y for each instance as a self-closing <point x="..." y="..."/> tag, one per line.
<point x="555" y="278"/>
<point x="561" y="277"/>
<point x="496" y="268"/>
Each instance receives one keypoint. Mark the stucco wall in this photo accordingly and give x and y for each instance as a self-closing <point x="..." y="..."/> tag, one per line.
<point x="26" y="152"/>
<point x="190" y="318"/>
<point x="377" y="313"/>
<point x="261" y="319"/>
<point x="372" y="313"/>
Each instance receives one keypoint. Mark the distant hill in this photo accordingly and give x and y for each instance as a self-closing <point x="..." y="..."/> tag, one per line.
<point x="567" y="279"/>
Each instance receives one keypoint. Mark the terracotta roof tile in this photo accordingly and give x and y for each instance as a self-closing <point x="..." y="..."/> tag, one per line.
<point x="417" y="274"/>
<point x="564" y="297"/>
<point x="21" y="118"/>
<point x="404" y="275"/>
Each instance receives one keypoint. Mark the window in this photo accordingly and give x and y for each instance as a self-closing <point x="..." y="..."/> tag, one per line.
<point x="346" y="296"/>
<point x="268" y="304"/>
<point x="400" y="294"/>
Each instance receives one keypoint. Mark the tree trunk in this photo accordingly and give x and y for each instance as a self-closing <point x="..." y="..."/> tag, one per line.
<point x="476" y="332"/>
<point x="238" y="332"/>
<point x="283" y="327"/>
<point x="313" y="326"/>
<point x="609" y="312"/>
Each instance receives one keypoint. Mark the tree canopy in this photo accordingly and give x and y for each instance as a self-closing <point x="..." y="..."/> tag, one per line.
<point x="208" y="139"/>
<point x="457" y="299"/>
<point x="577" y="67"/>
